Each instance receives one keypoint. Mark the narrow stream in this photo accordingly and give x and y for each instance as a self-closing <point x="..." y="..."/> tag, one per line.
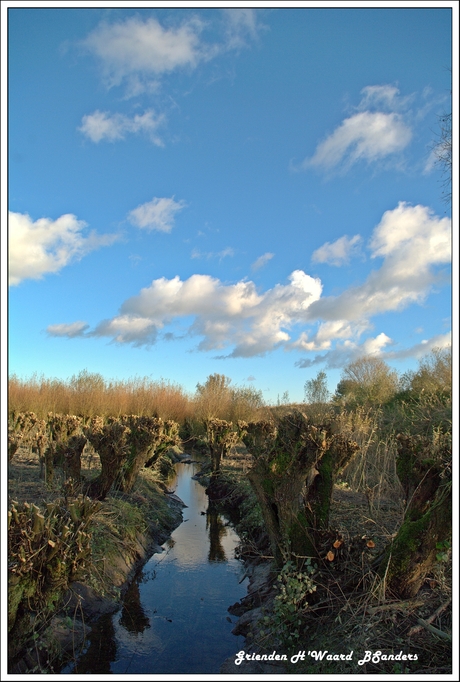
<point x="174" y="617"/>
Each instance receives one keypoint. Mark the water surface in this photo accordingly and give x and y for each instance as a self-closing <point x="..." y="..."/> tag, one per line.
<point x="174" y="617"/>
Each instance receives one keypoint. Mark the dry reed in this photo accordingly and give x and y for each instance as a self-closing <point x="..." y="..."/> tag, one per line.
<point x="88" y="395"/>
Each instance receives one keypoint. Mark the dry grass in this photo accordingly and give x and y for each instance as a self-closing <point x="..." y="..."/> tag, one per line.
<point x="350" y="610"/>
<point x="89" y="395"/>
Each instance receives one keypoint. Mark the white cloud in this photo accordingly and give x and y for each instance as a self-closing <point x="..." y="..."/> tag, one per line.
<point x="423" y="348"/>
<point x="338" y="252"/>
<point x="138" y="52"/>
<point x="44" y="246"/>
<point x="241" y="321"/>
<point x="104" y="126"/>
<point x="224" y="315"/>
<point x="141" y="50"/>
<point x="412" y="241"/>
<point x="349" y="351"/>
<point x="376" y="130"/>
<point x="381" y="97"/>
<point x="128" y="329"/>
<point x="69" y="330"/>
<point x="262" y="260"/>
<point x="327" y="334"/>
<point x="157" y="214"/>
<point x="366" y="136"/>
<point x="412" y="231"/>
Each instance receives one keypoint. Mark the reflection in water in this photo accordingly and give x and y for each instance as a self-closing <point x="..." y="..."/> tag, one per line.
<point x="217" y="529"/>
<point x="102" y="649"/>
<point x="133" y="617"/>
<point x="174" y="617"/>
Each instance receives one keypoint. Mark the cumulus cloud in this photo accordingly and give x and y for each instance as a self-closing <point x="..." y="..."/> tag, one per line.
<point x="157" y="214"/>
<point x="104" y="126"/>
<point x="378" y="129"/>
<point x="421" y="349"/>
<point x="44" y="246"/>
<point x="137" y="51"/>
<point x="350" y="351"/>
<point x="412" y="241"/>
<point x="128" y="328"/>
<point x="327" y="334"/>
<point x="261" y="261"/>
<point x="410" y="244"/>
<point x="339" y="252"/>
<point x="223" y="315"/>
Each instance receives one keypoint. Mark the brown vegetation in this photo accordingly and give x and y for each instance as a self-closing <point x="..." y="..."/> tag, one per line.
<point x="385" y="439"/>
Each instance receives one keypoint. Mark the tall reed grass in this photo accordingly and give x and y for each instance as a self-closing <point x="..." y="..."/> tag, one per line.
<point x="88" y="395"/>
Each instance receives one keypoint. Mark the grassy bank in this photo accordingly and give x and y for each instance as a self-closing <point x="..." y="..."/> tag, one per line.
<point x="339" y="606"/>
<point x="98" y="558"/>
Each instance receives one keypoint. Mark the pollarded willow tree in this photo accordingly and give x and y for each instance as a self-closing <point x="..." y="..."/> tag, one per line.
<point x="294" y="468"/>
<point x="110" y="441"/>
<point x="61" y="428"/>
<point x="125" y="445"/>
<point x="144" y="437"/>
<point x="424" y="467"/>
<point x="221" y="439"/>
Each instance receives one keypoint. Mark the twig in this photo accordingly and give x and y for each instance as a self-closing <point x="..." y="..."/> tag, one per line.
<point x="432" y="629"/>
<point x="397" y="606"/>
<point x="428" y="621"/>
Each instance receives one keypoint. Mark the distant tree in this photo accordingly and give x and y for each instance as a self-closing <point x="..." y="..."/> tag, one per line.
<point x="284" y="399"/>
<point x="246" y="402"/>
<point x="434" y="374"/>
<point x="317" y="397"/>
<point x="214" y="397"/>
<point x="316" y="390"/>
<point x="88" y="389"/>
<point x="87" y="381"/>
<point x="368" y="381"/>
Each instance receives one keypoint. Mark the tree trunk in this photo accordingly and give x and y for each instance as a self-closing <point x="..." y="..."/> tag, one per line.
<point x="110" y="442"/>
<point x="295" y="466"/>
<point x="49" y="465"/>
<point x="284" y="458"/>
<point x="72" y="460"/>
<point x="320" y="483"/>
<point x="427" y="481"/>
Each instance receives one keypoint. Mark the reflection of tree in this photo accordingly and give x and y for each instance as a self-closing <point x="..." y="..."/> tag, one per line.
<point x="102" y="649"/>
<point x="216" y="532"/>
<point x="133" y="617"/>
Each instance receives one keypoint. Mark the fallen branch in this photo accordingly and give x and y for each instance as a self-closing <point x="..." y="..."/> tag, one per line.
<point x="428" y="621"/>
<point x="433" y="630"/>
<point x="395" y="606"/>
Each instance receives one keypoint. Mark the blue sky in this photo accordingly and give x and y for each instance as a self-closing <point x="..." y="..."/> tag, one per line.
<point x="244" y="191"/>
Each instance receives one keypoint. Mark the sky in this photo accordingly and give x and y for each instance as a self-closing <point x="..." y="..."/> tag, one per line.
<point x="243" y="190"/>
